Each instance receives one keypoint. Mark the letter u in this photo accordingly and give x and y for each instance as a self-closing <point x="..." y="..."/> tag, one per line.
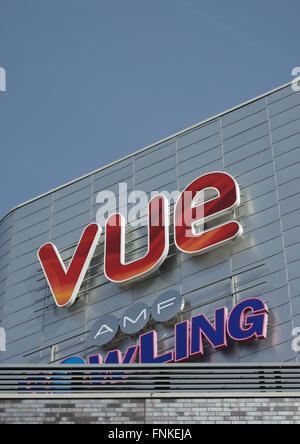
<point x="115" y="268"/>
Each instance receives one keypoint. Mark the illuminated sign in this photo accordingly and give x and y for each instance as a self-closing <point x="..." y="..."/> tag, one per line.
<point x="191" y="236"/>
<point x="65" y="284"/>
<point x="104" y="330"/>
<point x="188" y="214"/>
<point x="115" y="268"/>
<point x="247" y="321"/>
<point x="165" y="308"/>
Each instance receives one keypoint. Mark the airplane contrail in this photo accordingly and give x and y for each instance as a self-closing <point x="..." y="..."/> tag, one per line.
<point x="232" y="31"/>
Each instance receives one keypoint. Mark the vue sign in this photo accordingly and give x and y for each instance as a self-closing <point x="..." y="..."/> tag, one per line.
<point x="189" y="215"/>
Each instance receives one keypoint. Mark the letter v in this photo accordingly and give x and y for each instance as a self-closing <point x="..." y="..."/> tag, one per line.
<point x="65" y="284"/>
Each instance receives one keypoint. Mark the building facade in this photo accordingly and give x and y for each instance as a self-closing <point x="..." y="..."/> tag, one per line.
<point x="258" y="144"/>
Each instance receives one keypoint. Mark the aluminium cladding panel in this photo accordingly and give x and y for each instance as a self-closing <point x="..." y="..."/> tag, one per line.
<point x="259" y="144"/>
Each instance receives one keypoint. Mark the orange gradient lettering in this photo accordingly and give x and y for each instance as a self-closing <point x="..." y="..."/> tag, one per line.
<point x="189" y="213"/>
<point x="116" y="270"/>
<point x="65" y="283"/>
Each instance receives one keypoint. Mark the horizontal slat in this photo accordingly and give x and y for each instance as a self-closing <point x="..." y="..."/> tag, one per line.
<point x="154" y="378"/>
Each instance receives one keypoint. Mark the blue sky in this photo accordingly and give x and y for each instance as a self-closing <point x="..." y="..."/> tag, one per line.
<point x="90" y="81"/>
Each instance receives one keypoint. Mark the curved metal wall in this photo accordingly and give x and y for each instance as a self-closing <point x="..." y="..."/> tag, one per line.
<point x="259" y="144"/>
